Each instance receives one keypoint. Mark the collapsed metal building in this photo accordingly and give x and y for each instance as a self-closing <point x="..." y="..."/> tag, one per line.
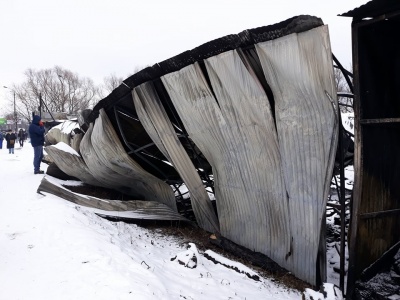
<point x="250" y="118"/>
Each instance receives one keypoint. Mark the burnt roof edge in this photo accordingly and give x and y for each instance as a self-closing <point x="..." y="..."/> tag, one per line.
<point x="243" y="39"/>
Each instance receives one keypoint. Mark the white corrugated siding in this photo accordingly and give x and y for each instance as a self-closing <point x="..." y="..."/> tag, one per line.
<point x="238" y="138"/>
<point x="299" y="70"/>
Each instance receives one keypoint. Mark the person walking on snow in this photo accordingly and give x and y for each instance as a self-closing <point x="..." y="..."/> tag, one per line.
<point x="21" y="137"/>
<point x="36" y="132"/>
<point x="1" y="140"/>
<point x="10" y="138"/>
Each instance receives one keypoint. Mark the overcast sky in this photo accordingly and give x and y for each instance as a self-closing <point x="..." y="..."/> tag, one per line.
<point x="97" y="38"/>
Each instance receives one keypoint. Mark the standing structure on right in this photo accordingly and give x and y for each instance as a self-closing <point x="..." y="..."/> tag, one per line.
<point x="375" y="217"/>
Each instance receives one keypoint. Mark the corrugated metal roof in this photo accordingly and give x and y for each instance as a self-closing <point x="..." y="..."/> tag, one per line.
<point x="373" y="8"/>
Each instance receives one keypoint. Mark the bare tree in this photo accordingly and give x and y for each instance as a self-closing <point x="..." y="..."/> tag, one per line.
<point x="110" y="83"/>
<point x="113" y="81"/>
<point x="76" y="93"/>
<point x="60" y="89"/>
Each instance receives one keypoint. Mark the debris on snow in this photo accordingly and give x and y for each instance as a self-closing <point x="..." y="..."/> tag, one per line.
<point x="328" y="291"/>
<point x="238" y="267"/>
<point x="188" y="258"/>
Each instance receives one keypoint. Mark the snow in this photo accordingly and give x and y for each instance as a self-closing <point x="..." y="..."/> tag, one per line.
<point x="349" y="178"/>
<point x="54" y="249"/>
<point x="67" y="126"/>
<point x="64" y="147"/>
<point x="329" y="292"/>
<point x="348" y="122"/>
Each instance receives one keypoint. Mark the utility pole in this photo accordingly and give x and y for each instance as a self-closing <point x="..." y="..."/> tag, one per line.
<point x="15" y="116"/>
<point x="15" y="111"/>
<point x="40" y="104"/>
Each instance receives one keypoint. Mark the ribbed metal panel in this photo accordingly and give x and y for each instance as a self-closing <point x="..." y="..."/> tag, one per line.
<point x="157" y="124"/>
<point x="299" y="70"/>
<point x="107" y="179"/>
<point x="237" y="135"/>
<point x="109" y="163"/>
<point x="72" y="165"/>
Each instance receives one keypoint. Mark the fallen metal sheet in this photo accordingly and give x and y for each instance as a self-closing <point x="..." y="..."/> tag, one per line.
<point x="72" y="164"/>
<point x="130" y="209"/>
<point x="108" y="178"/>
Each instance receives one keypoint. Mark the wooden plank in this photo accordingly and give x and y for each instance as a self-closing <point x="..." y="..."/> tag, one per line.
<point x="379" y="214"/>
<point x="379" y="121"/>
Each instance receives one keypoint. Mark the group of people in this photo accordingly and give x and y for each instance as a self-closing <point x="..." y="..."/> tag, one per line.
<point x="11" y="139"/>
<point x="36" y="133"/>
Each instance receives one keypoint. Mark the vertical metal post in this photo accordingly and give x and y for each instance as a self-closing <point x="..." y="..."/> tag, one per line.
<point x="342" y="205"/>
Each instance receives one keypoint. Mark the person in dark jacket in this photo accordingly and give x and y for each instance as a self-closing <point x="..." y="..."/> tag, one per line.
<point x="10" y="138"/>
<point x="21" y="137"/>
<point x="36" y="133"/>
<point x="1" y="140"/>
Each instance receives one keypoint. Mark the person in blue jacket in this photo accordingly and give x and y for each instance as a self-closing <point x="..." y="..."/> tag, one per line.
<point x="36" y="132"/>
<point x="1" y="140"/>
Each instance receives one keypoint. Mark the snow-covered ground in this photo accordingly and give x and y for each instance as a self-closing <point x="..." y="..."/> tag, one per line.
<point x="348" y="121"/>
<point x="53" y="249"/>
